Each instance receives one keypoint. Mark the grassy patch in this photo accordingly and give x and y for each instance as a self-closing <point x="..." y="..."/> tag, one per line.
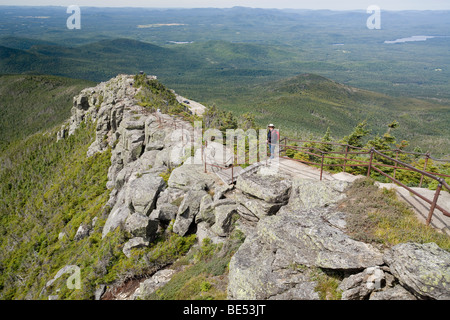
<point x="204" y="276"/>
<point x="327" y="284"/>
<point x="376" y="215"/>
<point x="154" y="95"/>
<point x="166" y="175"/>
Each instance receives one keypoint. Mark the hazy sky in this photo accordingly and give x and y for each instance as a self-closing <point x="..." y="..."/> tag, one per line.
<point x="295" y="4"/>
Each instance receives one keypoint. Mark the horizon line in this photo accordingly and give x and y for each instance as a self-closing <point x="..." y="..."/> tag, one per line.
<point x="189" y="8"/>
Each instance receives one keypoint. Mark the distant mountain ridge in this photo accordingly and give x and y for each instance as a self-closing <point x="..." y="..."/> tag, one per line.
<point x="96" y="61"/>
<point x="32" y="103"/>
<point x="308" y="104"/>
<point x="242" y="77"/>
<point x="93" y="61"/>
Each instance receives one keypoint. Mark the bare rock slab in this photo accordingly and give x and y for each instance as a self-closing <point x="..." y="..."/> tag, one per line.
<point x="422" y="268"/>
<point x="187" y="175"/>
<point x="144" y="192"/>
<point x="271" y="189"/>
<point x="262" y="267"/>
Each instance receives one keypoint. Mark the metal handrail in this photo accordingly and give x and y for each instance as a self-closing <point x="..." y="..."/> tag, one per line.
<point x="368" y="150"/>
<point x="372" y="165"/>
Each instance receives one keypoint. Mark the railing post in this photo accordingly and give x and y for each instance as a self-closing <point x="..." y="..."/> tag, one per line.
<point x="427" y="156"/>
<point x="232" y="172"/>
<point x="202" y="150"/>
<point x="396" y="163"/>
<point x="204" y="157"/>
<point x="321" y="166"/>
<point x="345" y="160"/>
<point x="433" y="205"/>
<point x="370" y="163"/>
<point x="279" y="147"/>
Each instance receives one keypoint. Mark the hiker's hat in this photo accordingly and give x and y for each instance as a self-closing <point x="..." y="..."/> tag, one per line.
<point x="271" y="125"/>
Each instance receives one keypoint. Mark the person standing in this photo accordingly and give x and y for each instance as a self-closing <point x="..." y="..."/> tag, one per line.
<point x="272" y="139"/>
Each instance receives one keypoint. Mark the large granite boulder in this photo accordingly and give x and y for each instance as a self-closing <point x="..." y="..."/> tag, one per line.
<point x="137" y="242"/>
<point x="269" y="188"/>
<point x="165" y="212"/>
<point x="311" y="238"/>
<point x="189" y="208"/>
<point x="117" y="216"/>
<point x="208" y="206"/>
<point x="188" y="175"/>
<point x="422" y="268"/>
<point x="144" y="191"/>
<point x="307" y="194"/>
<point x="259" y="195"/>
<point x="223" y="219"/>
<point x="140" y="225"/>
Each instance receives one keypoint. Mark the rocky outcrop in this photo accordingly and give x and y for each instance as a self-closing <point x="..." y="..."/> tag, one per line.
<point x="293" y="235"/>
<point x="190" y="176"/>
<point x="261" y="195"/>
<point x="309" y="238"/>
<point x="144" y="191"/>
<point x="137" y="242"/>
<point x="292" y="225"/>
<point x="187" y="211"/>
<point x="144" y="147"/>
<point x="152" y="284"/>
<point x="422" y="268"/>
<point x="307" y="233"/>
<point x="141" y="150"/>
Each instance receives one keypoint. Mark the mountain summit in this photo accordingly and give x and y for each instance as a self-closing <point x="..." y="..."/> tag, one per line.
<point x="292" y="226"/>
<point x="117" y="204"/>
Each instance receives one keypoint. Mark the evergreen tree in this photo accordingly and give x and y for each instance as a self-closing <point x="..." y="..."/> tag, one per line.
<point x="386" y="141"/>
<point x="326" y="138"/>
<point x="355" y="138"/>
<point x="247" y="121"/>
